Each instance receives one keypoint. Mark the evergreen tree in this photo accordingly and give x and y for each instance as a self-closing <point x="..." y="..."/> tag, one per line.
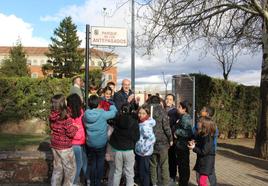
<point x="64" y="55"/>
<point x="16" y="63"/>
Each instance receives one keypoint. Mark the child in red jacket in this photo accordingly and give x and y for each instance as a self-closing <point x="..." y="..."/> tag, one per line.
<point x="62" y="133"/>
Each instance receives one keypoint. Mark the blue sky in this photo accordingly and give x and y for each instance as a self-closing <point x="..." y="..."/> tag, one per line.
<point x="31" y="12"/>
<point x="34" y="21"/>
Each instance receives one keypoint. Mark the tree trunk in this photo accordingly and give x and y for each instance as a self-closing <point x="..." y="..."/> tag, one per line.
<point x="261" y="144"/>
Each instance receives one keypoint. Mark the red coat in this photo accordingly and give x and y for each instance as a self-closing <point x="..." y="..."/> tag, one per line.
<point x="62" y="131"/>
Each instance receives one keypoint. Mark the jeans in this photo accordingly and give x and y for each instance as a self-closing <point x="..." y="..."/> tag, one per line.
<point x="63" y="167"/>
<point x="96" y="165"/>
<point x="144" y="169"/>
<point x="124" y="161"/>
<point x="212" y="178"/>
<point x="81" y="162"/>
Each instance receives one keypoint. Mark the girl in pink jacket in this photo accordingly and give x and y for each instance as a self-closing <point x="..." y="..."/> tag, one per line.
<point x="74" y="104"/>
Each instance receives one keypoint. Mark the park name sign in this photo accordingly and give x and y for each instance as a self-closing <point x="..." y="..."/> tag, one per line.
<point x="108" y="36"/>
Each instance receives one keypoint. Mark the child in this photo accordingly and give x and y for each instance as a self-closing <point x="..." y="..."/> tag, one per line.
<point x="144" y="147"/>
<point x="183" y="134"/>
<point x="62" y="133"/>
<point x="92" y="90"/>
<point x="105" y="104"/>
<point x="159" y="158"/>
<point x="204" y="149"/>
<point x="95" y="120"/>
<point x="207" y="111"/>
<point x="74" y="104"/>
<point x="123" y="140"/>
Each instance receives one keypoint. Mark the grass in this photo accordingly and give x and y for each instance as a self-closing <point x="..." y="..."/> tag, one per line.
<point x="12" y="142"/>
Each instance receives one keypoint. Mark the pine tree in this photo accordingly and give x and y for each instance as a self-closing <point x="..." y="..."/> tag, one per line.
<point x="16" y="63"/>
<point x="64" y="55"/>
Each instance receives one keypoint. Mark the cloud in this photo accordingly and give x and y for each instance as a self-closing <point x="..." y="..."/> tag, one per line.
<point x="14" y="28"/>
<point x="148" y="68"/>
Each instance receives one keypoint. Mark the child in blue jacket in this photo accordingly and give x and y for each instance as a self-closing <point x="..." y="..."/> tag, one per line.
<point x="95" y="120"/>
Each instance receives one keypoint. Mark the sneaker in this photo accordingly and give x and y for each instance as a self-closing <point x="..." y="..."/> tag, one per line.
<point x="88" y="182"/>
<point x="172" y="182"/>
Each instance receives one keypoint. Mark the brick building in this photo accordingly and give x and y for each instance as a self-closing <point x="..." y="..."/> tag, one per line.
<point x="36" y="58"/>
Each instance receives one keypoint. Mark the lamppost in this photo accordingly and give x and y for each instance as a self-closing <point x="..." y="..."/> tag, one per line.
<point x="132" y="46"/>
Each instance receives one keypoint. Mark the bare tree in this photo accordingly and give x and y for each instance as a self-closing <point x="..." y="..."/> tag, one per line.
<point x="166" y="81"/>
<point x="242" y="22"/>
<point x="225" y="55"/>
<point x="106" y="59"/>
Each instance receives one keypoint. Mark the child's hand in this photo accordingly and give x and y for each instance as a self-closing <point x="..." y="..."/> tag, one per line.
<point x="171" y="143"/>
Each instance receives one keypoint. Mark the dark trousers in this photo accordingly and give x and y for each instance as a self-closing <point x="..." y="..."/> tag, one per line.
<point x="96" y="165"/>
<point x="212" y="178"/>
<point x="171" y="159"/>
<point x="183" y="160"/>
<point x="144" y="170"/>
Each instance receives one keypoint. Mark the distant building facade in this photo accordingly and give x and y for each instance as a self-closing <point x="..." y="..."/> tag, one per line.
<point x="36" y="58"/>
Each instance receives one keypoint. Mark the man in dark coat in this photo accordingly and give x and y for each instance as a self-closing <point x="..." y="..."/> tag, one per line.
<point x="125" y="95"/>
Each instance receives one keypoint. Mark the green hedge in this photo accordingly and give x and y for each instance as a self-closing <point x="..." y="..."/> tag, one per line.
<point x="236" y="106"/>
<point x="22" y="98"/>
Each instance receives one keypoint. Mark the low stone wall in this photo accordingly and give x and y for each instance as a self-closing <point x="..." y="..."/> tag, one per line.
<point x="25" y="167"/>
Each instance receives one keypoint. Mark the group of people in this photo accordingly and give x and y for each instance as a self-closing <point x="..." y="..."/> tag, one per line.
<point x="148" y="143"/>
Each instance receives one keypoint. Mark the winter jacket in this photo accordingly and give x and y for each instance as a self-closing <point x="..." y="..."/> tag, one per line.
<point x="145" y="145"/>
<point x="126" y="132"/>
<point x="62" y="131"/>
<point x="121" y="98"/>
<point x="184" y="132"/>
<point x="162" y="129"/>
<point x="173" y="117"/>
<point x="95" y="121"/>
<point x="80" y="136"/>
<point x="205" y="155"/>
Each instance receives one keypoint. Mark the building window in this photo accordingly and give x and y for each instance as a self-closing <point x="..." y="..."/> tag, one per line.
<point x="110" y="77"/>
<point x="29" y="62"/>
<point x="34" y="62"/>
<point x="92" y="63"/>
<point x="42" y="62"/>
<point x="99" y="63"/>
<point x="34" y="75"/>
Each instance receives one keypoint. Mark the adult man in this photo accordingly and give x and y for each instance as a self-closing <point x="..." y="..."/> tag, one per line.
<point x="125" y="95"/>
<point x="76" y="88"/>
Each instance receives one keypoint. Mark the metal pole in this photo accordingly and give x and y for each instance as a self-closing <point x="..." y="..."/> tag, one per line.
<point x="193" y="100"/>
<point x="87" y="65"/>
<point x="132" y="46"/>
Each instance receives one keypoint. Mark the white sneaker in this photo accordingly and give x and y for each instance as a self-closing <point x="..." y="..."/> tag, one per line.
<point x="88" y="182"/>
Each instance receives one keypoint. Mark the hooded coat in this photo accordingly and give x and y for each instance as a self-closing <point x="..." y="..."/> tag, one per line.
<point x="96" y="126"/>
<point x="162" y="129"/>
<point x="145" y="145"/>
<point x="126" y="132"/>
<point x="62" y="131"/>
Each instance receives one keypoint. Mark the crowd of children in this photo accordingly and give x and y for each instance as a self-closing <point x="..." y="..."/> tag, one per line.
<point x="156" y="139"/>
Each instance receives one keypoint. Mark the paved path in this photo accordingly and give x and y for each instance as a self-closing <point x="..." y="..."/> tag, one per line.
<point x="235" y="166"/>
